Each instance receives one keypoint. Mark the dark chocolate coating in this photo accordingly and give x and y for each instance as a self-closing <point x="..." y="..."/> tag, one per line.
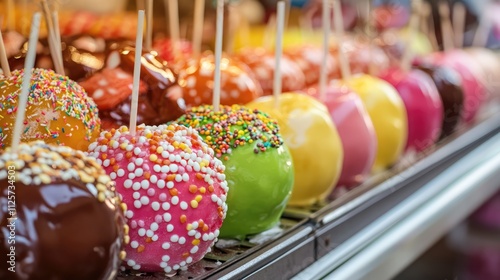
<point x="158" y="105"/>
<point x="80" y="60"/>
<point x="450" y="90"/>
<point x="62" y="231"/>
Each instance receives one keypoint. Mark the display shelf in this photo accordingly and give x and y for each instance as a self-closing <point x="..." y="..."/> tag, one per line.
<point x="323" y="240"/>
<point x="474" y="182"/>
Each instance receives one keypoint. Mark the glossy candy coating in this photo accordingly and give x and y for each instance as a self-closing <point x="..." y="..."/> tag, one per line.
<point x="238" y="84"/>
<point x="474" y="90"/>
<point x="58" y="110"/>
<point x="424" y="107"/>
<point x="160" y="97"/>
<point x="313" y="141"/>
<point x="309" y="58"/>
<point x="175" y="191"/>
<point x="355" y="129"/>
<point x="165" y="50"/>
<point x="259" y="167"/>
<point x="449" y="86"/>
<point x="262" y="64"/>
<point x="388" y="114"/>
<point x="70" y="220"/>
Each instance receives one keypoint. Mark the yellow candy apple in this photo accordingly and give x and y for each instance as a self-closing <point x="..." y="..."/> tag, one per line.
<point x="313" y="141"/>
<point x="255" y="36"/>
<point x="388" y="114"/>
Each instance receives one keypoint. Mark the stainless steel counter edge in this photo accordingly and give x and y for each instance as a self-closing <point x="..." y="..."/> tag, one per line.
<point x="383" y="241"/>
<point x="328" y="215"/>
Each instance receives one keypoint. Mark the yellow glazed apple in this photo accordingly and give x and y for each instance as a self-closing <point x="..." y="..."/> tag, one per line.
<point x="388" y="114"/>
<point x="313" y="141"/>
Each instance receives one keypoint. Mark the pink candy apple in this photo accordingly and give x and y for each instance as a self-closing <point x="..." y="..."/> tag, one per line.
<point x="356" y="133"/>
<point x="423" y="106"/>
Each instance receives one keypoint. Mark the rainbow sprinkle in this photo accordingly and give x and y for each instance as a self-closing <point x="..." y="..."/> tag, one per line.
<point x="50" y="95"/>
<point x="233" y="126"/>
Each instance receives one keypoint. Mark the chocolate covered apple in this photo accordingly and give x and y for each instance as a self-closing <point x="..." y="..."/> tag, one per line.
<point x="160" y="97"/>
<point x="449" y="86"/>
<point x="61" y="214"/>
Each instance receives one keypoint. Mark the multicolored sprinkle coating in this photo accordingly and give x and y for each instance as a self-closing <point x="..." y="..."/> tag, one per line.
<point x="67" y="210"/>
<point x="175" y="189"/>
<point x="58" y="110"/>
<point x="233" y="126"/>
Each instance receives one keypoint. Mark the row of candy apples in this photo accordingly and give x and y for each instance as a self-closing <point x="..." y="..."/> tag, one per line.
<point x="174" y="180"/>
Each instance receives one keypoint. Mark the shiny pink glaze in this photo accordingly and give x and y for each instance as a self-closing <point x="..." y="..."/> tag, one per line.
<point x="175" y="191"/>
<point x="356" y="132"/>
<point x="423" y="104"/>
<point x="474" y="90"/>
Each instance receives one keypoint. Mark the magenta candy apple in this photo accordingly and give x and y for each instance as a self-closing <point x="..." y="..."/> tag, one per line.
<point x="356" y="132"/>
<point x="423" y="104"/>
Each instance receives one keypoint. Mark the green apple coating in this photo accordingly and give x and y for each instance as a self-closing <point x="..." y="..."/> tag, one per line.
<point x="259" y="168"/>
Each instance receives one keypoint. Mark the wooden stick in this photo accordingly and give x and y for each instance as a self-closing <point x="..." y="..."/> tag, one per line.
<point x="429" y="19"/>
<point x="198" y="17"/>
<point x="4" y="62"/>
<point x="137" y="72"/>
<point x="278" y="52"/>
<point x="173" y="17"/>
<point x="58" y="64"/>
<point x="268" y="39"/>
<point x="323" y="74"/>
<point x="412" y="32"/>
<point x="370" y="31"/>
<point x="57" y="33"/>
<point x="148" y="44"/>
<point x="29" y="63"/>
<point x="219" y="29"/>
<point x="140" y="5"/>
<point x="483" y="29"/>
<point x="459" y="13"/>
<point x="446" y="27"/>
<point x="345" y="68"/>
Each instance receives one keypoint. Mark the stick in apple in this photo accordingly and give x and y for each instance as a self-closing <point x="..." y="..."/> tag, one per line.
<point x="29" y="63"/>
<point x="57" y="33"/>
<point x="412" y="32"/>
<point x="173" y="23"/>
<point x="137" y="72"/>
<point x="219" y="29"/>
<point x="53" y="42"/>
<point x="278" y="52"/>
<point x="323" y="75"/>
<point x="339" y="33"/>
<point x="268" y="39"/>
<point x="198" y="17"/>
<point x="446" y="28"/>
<point x="482" y="32"/>
<point x="459" y="13"/>
<point x="428" y="25"/>
<point x="148" y="44"/>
